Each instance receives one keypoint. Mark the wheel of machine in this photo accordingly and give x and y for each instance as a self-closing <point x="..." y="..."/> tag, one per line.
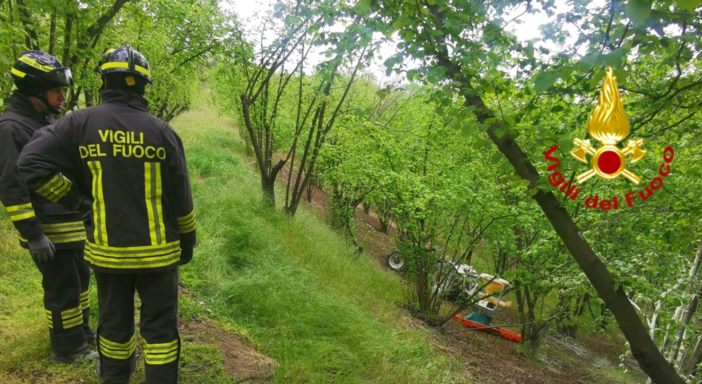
<point x="394" y="261"/>
<point x="450" y="285"/>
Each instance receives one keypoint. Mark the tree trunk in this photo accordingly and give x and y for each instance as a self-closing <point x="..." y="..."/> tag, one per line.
<point x="520" y="310"/>
<point x="67" y="37"/>
<point x="685" y="321"/>
<point x="422" y="290"/>
<point x="366" y="208"/>
<point x="52" y="34"/>
<point x="310" y="189"/>
<point x="384" y="224"/>
<point x="89" y="98"/>
<point x="337" y="208"/>
<point x="268" y="186"/>
<point x="31" y="39"/>
<point x="691" y="366"/>
<point x="537" y="337"/>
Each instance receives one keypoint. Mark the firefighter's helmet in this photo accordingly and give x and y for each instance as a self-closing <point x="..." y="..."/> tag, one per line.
<point x="36" y="72"/>
<point x="39" y="67"/>
<point x="124" y="60"/>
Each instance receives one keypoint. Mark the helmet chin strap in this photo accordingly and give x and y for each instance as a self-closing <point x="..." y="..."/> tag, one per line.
<point x="49" y="107"/>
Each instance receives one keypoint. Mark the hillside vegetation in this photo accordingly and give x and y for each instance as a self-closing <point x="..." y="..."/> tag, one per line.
<point x="294" y="288"/>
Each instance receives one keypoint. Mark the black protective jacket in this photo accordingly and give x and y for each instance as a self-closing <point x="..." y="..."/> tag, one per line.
<point x="132" y="166"/>
<point x="31" y="213"/>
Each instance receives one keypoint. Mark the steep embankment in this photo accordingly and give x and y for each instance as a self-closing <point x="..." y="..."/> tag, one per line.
<point x="293" y="288"/>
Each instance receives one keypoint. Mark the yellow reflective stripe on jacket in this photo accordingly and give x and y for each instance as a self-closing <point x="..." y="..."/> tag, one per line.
<point x="18" y="73"/>
<point x="56" y="188"/>
<point x="65" y="232"/>
<point x="43" y="68"/>
<point x="186" y="224"/>
<point x="20" y="212"/>
<point x="98" y="203"/>
<point x="119" y="64"/>
<point x="84" y="300"/>
<point x="70" y="226"/>
<point x="49" y="318"/>
<point x="66" y="238"/>
<point x="114" y="350"/>
<point x="164" y="353"/>
<point x="57" y="236"/>
<point x="150" y="256"/>
<point x="72" y="317"/>
<point x="152" y="186"/>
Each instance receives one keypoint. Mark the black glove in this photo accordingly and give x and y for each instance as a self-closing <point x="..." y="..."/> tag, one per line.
<point x="84" y="205"/>
<point x="41" y="249"/>
<point x="88" y="219"/>
<point x="186" y="254"/>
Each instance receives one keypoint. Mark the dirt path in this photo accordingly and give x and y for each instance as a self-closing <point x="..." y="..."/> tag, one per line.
<point x="243" y="362"/>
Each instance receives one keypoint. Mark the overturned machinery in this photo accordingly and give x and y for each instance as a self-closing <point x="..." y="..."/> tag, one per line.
<point x="455" y="281"/>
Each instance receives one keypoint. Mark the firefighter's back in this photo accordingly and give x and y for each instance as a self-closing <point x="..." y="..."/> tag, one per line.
<point x="125" y="153"/>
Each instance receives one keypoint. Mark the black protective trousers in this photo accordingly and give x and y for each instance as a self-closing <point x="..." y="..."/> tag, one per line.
<point x="66" y="280"/>
<point x="158" y="326"/>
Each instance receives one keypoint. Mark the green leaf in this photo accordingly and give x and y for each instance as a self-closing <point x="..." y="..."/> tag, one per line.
<point x="436" y="74"/>
<point x="390" y="62"/>
<point x="566" y="72"/>
<point x="490" y="120"/>
<point x="689" y="5"/>
<point x="587" y="62"/>
<point x="478" y="143"/>
<point x="364" y="6"/>
<point x="614" y="57"/>
<point x="529" y="50"/>
<point x="565" y="144"/>
<point x="638" y="10"/>
<point x="545" y="80"/>
<point x="621" y="75"/>
<point x="595" y="81"/>
<point x="469" y="129"/>
<point x="496" y="157"/>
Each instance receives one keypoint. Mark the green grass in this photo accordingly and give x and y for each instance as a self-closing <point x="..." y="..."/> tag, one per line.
<point x="293" y="287"/>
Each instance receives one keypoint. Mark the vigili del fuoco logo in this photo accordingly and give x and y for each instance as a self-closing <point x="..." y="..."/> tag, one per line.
<point x="608" y="125"/>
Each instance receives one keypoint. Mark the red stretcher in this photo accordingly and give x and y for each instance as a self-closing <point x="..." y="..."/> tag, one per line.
<point x="509" y="335"/>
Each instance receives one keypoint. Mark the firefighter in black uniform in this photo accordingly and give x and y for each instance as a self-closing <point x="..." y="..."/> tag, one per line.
<point x="131" y="167"/>
<point x="54" y="236"/>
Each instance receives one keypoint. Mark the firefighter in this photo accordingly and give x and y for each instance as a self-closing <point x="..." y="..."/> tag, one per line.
<point x="131" y="168"/>
<point x="54" y="236"/>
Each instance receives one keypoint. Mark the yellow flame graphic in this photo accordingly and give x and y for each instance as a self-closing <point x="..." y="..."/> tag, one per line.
<point x="608" y="123"/>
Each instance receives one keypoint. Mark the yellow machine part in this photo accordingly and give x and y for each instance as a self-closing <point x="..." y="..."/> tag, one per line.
<point x="494" y="286"/>
<point x="500" y="303"/>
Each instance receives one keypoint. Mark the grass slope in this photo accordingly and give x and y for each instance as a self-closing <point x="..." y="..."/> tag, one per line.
<point x="291" y="286"/>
